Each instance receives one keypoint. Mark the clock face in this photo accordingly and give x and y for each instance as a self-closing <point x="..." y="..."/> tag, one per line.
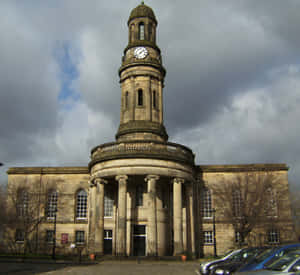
<point x="140" y="52"/>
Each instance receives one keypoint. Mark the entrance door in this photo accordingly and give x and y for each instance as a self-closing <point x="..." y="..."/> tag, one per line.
<point x="139" y="240"/>
<point x="108" y="242"/>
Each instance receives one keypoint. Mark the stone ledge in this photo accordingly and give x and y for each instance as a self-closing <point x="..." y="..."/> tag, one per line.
<point x="142" y="149"/>
<point x="243" y="167"/>
<point x="49" y="170"/>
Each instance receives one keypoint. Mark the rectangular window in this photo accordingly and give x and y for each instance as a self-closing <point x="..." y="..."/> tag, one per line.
<point x="20" y="235"/>
<point x="237" y="203"/>
<point x="107" y="234"/>
<point x="139" y="230"/>
<point x="273" y="236"/>
<point x="206" y="209"/>
<point x="108" y="203"/>
<point x="271" y="205"/>
<point x="79" y="237"/>
<point x="208" y="237"/>
<point x="50" y="236"/>
<point x="154" y="99"/>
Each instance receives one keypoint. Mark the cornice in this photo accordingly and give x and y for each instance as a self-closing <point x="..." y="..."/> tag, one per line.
<point x="141" y="127"/>
<point x="243" y="167"/>
<point x="142" y="149"/>
<point x="48" y="170"/>
<point x="130" y="64"/>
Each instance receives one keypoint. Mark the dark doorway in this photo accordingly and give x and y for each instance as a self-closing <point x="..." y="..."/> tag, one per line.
<point x="139" y="240"/>
<point x="108" y="242"/>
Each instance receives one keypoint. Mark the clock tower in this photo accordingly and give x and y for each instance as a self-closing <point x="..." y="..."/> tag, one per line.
<point x="142" y="80"/>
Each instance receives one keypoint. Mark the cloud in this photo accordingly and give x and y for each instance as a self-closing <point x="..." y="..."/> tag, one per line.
<point x="231" y="91"/>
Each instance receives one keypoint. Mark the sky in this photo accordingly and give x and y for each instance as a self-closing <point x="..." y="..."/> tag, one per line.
<point x="232" y="89"/>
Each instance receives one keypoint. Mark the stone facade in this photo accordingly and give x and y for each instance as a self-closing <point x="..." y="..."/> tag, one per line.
<point x="140" y="195"/>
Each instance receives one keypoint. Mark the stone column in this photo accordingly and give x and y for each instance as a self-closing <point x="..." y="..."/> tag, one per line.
<point x="92" y="216"/>
<point x="190" y="218"/>
<point x="99" y="228"/>
<point x="122" y="210"/>
<point x="177" y="215"/>
<point x="132" y="98"/>
<point x="148" y="97"/>
<point x="152" y="219"/>
<point x="160" y="101"/>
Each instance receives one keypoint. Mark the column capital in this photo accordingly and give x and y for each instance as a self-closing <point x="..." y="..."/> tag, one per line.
<point x="151" y="177"/>
<point x="96" y="181"/>
<point x="178" y="180"/>
<point x="121" y="178"/>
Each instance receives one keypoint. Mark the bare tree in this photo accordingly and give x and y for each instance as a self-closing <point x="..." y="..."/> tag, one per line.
<point x="247" y="201"/>
<point x="27" y="206"/>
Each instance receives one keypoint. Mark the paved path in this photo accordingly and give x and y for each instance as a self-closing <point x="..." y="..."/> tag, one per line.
<point x="103" y="268"/>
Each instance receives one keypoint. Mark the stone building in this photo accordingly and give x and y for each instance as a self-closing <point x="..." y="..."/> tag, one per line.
<point x="139" y="195"/>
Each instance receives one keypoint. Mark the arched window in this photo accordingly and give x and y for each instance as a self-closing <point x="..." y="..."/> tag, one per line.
<point x="22" y="202"/>
<point x="154" y="99"/>
<point x="81" y="204"/>
<point x="126" y="100"/>
<point x="236" y="203"/>
<point x="206" y="208"/>
<point x="140" y="97"/>
<point x="141" y="31"/>
<point x="51" y="203"/>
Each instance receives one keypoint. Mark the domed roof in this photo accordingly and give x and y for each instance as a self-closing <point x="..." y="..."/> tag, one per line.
<point x="142" y="11"/>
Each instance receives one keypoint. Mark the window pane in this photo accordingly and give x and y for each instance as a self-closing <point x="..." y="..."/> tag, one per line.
<point x="141" y="31"/>
<point x="52" y="204"/>
<point x="50" y="236"/>
<point x="22" y="203"/>
<point x="154" y="99"/>
<point x="237" y="203"/>
<point x="79" y="237"/>
<point x="206" y="208"/>
<point x="108" y="234"/>
<point x="273" y="236"/>
<point x="208" y="237"/>
<point x="81" y="205"/>
<point x="140" y="97"/>
<point x="108" y="203"/>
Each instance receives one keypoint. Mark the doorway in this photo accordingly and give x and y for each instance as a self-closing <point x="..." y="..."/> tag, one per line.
<point x="108" y="242"/>
<point x="139" y="240"/>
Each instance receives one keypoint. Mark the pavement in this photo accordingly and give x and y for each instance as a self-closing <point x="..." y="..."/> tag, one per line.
<point x="103" y="268"/>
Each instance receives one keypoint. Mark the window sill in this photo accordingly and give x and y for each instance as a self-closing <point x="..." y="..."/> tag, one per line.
<point x="81" y="220"/>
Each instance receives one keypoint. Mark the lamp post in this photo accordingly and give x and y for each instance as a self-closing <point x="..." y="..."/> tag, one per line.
<point x="54" y="233"/>
<point x="214" y="231"/>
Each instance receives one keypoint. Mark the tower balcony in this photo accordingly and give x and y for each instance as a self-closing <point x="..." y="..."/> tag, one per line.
<point x="142" y="149"/>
